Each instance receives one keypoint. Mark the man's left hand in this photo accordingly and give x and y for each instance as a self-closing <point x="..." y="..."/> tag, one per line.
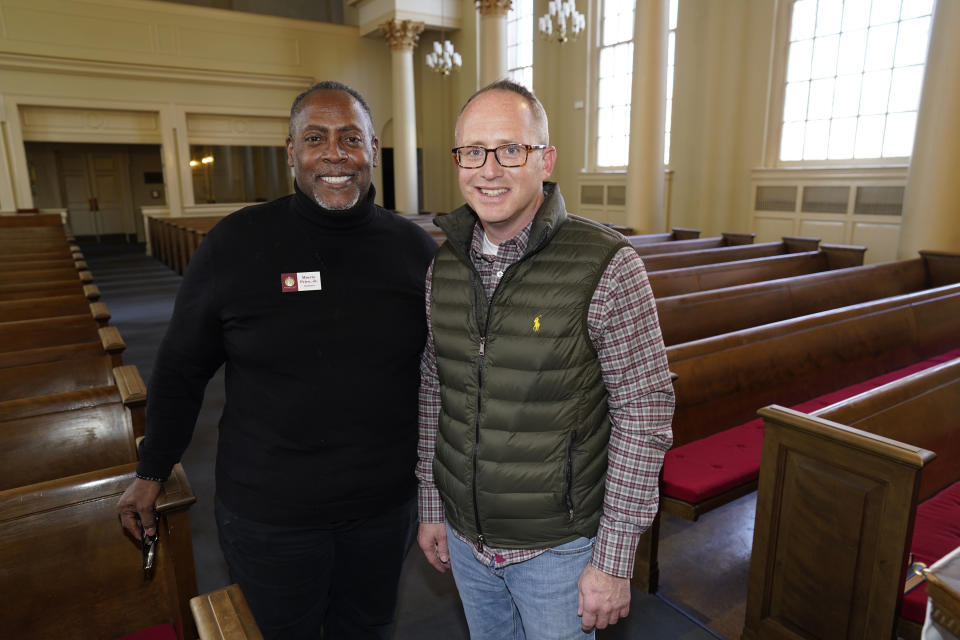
<point x="602" y="599"/>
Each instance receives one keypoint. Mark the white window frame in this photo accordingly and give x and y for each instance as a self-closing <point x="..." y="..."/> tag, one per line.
<point x="777" y="97"/>
<point x="511" y="70"/>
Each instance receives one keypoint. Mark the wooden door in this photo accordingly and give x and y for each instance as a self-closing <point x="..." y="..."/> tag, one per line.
<point x="96" y="191"/>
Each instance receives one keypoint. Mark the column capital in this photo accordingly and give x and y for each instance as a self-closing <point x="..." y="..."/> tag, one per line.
<point x="493" y="7"/>
<point x="401" y="34"/>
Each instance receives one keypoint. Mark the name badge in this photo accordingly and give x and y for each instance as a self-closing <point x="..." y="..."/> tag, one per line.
<point x="303" y="281"/>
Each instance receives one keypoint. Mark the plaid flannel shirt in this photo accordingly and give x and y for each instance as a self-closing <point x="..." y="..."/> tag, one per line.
<point x="623" y="327"/>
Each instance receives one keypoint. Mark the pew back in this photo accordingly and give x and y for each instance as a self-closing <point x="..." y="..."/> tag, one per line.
<point x="69" y="570"/>
<point x="702" y="314"/>
<point x="679" y="260"/>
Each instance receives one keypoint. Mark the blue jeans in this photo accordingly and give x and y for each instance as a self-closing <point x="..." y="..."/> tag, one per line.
<point x="333" y="582"/>
<point x="532" y="600"/>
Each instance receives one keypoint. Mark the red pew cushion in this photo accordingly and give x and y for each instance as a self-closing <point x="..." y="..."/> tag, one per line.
<point x="158" y="632"/>
<point x="936" y="532"/>
<point x="710" y="466"/>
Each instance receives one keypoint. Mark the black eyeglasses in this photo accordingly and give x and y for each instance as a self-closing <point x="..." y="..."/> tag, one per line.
<point x="513" y="154"/>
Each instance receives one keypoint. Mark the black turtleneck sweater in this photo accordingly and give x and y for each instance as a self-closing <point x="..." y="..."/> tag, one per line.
<point x="320" y="419"/>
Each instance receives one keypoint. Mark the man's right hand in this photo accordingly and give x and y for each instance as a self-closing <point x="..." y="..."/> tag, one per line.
<point x="432" y="539"/>
<point x="140" y="498"/>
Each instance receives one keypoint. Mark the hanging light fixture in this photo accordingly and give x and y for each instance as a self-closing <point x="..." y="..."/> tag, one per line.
<point x="569" y="21"/>
<point x="443" y="59"/>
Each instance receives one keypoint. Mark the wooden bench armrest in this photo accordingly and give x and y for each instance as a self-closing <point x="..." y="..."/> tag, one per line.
<point x="132" y="390"/>
<point x="177" y="493"/>
<point x="224" y="615"/>
<point x="100" y="312"/>
<point x="91" y="292"/>
<point x="111" y="340"/>
<point x="871" y="443"/>
<point x="85" y="277"/>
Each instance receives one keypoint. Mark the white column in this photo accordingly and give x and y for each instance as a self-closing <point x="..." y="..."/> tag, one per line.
<point x="644" y="200"/>
<point x="493" y="40"/>
<point x="402" y="36"/>
<point x="930" y="220"/>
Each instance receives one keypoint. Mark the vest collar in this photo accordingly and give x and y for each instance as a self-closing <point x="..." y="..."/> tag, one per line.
<point x="552" y="213"/>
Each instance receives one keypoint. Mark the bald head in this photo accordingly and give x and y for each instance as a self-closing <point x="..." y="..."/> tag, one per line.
<point x="537" y="112"/>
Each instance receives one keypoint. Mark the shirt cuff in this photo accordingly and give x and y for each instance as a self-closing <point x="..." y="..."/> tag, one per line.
<point x="430" y="506"/>
<point x="615" y="550"/>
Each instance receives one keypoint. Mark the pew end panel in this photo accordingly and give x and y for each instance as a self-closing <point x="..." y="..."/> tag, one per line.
<point x="112" y="343"/>
<point x="731" y="238"/>
<point x="70" y="571"/>
<point x="841" y="256"/>
<point x="685" y="233"/>
<point x="799" y="244"/>
<point x="943" y="588"/>
<point x="942" y="267"/>
<point x="100" y="313"/>
<point x="832" y="529"/>
<point x="134" y="396"/>
<point x="224" y="615"/>
<point x="92" y="292"/>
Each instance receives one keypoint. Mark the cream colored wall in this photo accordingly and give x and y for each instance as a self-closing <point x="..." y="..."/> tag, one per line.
<point x="169" y="59"/>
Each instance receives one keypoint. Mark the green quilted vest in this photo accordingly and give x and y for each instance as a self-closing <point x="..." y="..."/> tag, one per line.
<point x="521" y="452"/>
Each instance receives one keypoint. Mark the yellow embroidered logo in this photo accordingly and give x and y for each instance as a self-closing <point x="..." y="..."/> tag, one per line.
<point x="536" y="323"/>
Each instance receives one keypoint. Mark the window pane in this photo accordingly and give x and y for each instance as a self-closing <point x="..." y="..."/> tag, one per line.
<point x="795" y="103"/>
<point x="915" y="8"/>
<point x="876" y="89"/>
<point x="884" y="11"/>
<point x="804" y="19"/>
<point x="673" y="14"/>
<point x="898" y="139"/>
<point x="821" y="99"/>
<point x="869" y="137"/>
<point x="856" y="14"/>
<point x="905" y="89"/>
<point x="825" y="57"/>
<point x="853" y="46"/>
<point x="798" y="68"/>
<point x="791" y="141"/>
<point x="843" y="132"/>
<point x="829" y="14"/>
<point x="912" y="42"/>
<point x="881" y="44"/>
<point x="815" y="140"/>
<point x="846" y="97"/>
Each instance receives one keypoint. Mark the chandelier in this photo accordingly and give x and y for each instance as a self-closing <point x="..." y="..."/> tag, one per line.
<point x="443" y="59"/>
<point x="569" y="21"/>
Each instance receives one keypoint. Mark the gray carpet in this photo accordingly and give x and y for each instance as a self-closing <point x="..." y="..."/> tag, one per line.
<point x="139" y="292"/>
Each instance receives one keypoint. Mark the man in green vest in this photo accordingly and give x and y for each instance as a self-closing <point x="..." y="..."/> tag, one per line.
<point x="545" y="398"/>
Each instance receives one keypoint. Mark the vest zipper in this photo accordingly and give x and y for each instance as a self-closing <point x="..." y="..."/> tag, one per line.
<point x="476" y="448"/>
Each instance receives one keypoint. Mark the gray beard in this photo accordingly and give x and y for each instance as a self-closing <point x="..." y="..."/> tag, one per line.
<point x="319" y="201"/>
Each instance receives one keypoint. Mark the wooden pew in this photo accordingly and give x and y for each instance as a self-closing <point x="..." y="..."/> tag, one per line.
<point x="663" y="261"/>
<point x="69" y="570"/>
<point x="723" y="380"/>
<point x="30" y="262"/>
<point x="70" y="305"/>
<point x="694" y="316"/>
<point x="47" y="378"/>
<point x="838" y="494"/>
<point x="672" y="282"/>
<point x="943" y="587"/>
<point x="44" y="275"/>
<point x="726" y="239"/>
<point x="49" y="437"/>
<point x="20" y="221"/>
<point x="224" y="615"/>
<point x="21" y="290"/>
<point x="174" y="239"/>
<point x="677" y="233"/>
<point x="56" y="339"/>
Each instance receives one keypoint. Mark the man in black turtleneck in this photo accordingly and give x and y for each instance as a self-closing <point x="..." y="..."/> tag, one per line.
<point x="315" y="304"/>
